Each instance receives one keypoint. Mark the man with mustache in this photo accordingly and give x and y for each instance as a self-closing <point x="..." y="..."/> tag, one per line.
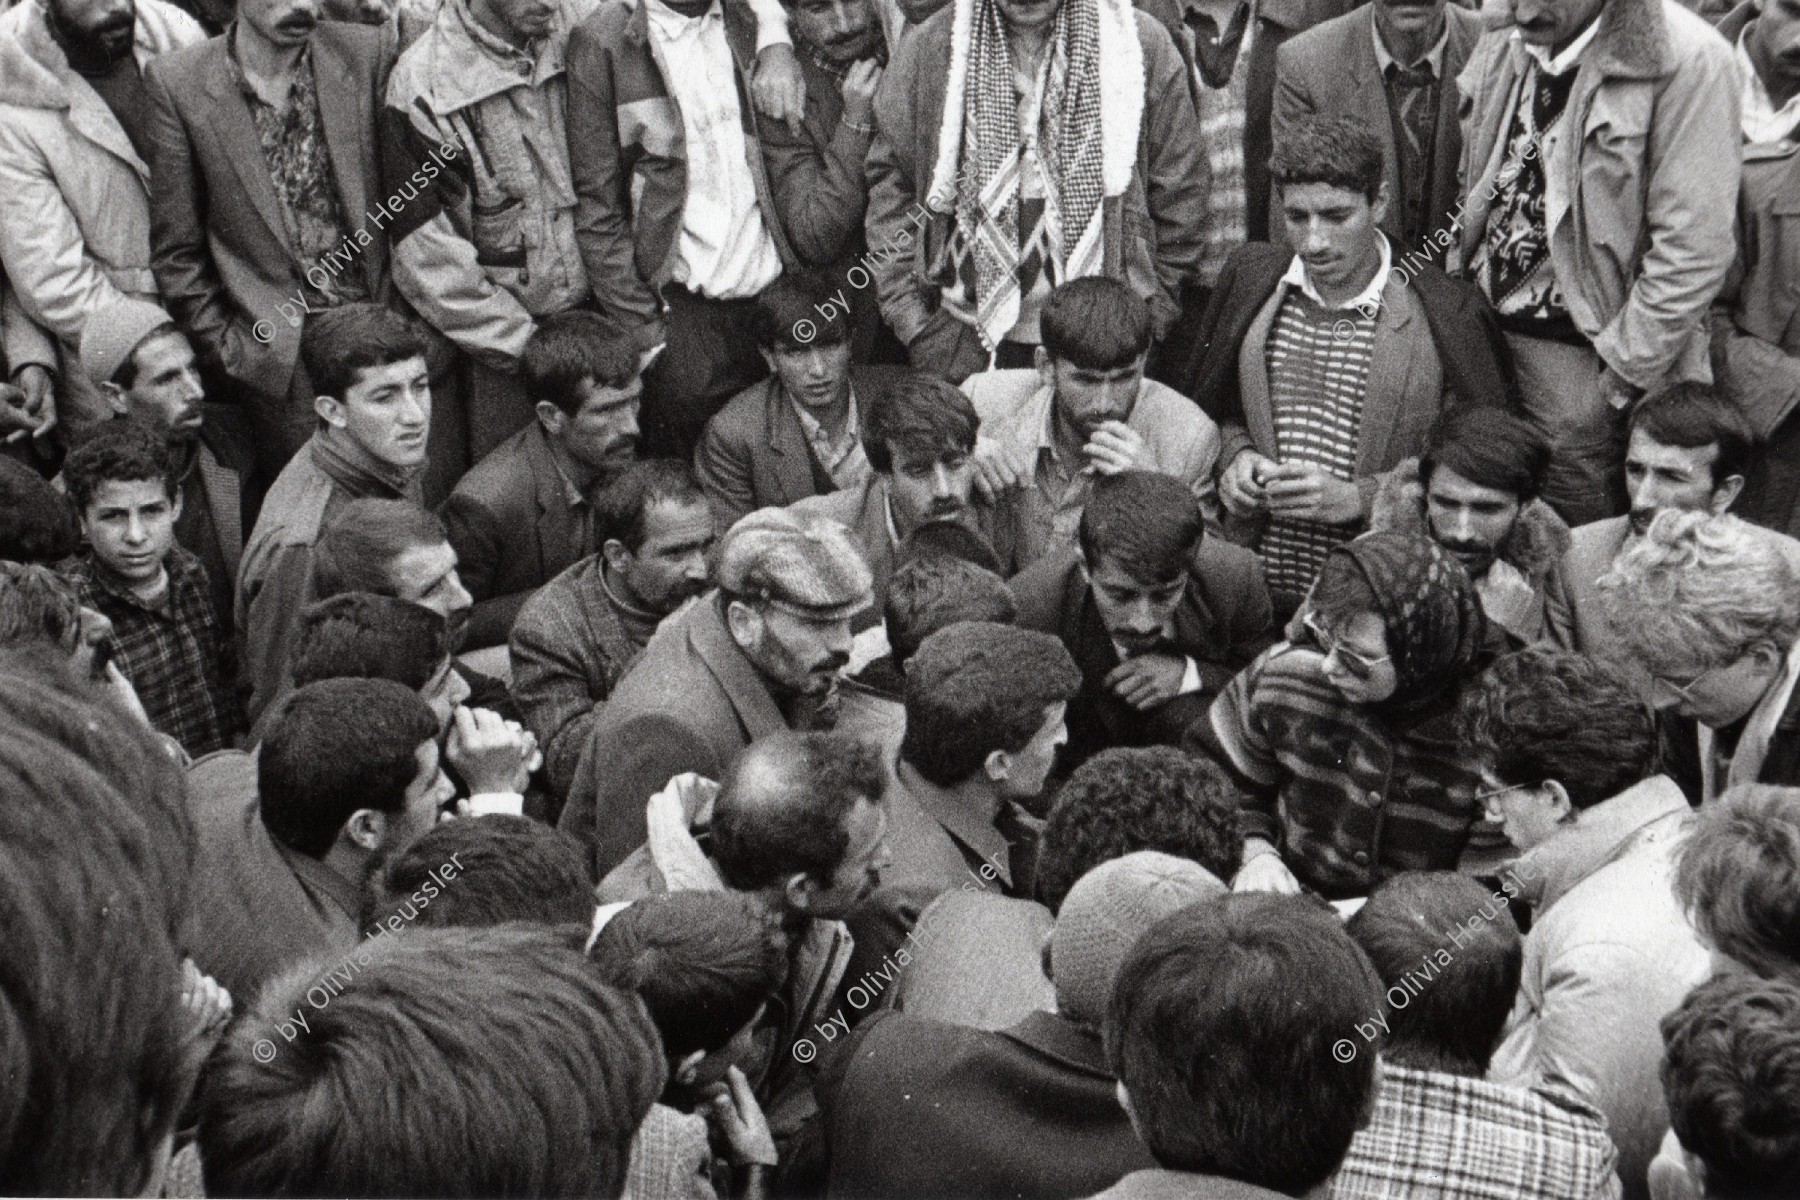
<point x="1599" y="165"/>
<point x="74" y="184"/>
<point x="1395" y="63"/>
<point x="525" y="512"/>
<point x="759" y="654"/>
<point x="1756" y="341"/>
<point x="578" y="635"/>
<point x="265" y="197"/>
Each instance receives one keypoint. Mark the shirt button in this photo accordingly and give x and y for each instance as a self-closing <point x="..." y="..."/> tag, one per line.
<point x="1361" y="858"/>
<point x="1374" y="797"/>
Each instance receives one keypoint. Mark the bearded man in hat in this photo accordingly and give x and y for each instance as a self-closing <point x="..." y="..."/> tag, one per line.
<point x="759" y="654"/>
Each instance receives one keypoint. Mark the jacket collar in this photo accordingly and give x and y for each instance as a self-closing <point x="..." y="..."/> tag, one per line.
<point x="320" y="880"/>
<point x="1055" y="1036"/>
<point x="949" y="811"/>
<point x="743" y="684"/>
<point x="1536" y="545"/>
<point x="1631" y="41"/>
<point x="34" y="71"/>
<point x="1597" y="836"/>
<point x="471" y="65"/>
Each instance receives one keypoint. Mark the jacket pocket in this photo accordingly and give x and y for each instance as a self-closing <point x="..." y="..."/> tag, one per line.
<point x="498" y="231"/>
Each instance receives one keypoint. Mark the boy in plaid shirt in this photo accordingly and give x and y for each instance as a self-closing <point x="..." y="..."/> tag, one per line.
<point x="166" y="633"/>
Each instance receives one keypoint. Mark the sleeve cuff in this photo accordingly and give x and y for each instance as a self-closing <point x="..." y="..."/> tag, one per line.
<point x="1190" y="679"/>
<point x="488" y="804"/>
<point x="771" y="24"/>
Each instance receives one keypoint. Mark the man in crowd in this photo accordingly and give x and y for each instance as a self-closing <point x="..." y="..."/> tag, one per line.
<point x="1029" y="145"/>
<point x="165" y="631"/>
<point x="1475" y="492"/>
<point x="265" y="173"/>
<point x="1600" y="240"/>
<point x="1393" y="63"/>
<point x="1436" y="1115"/>
<point x="920" y="439"/>
<point x="373" y="411"/>
<point x="798" y="433"/>
<point x="1324" y="367"/>
<point x="525" y="512"/>
<point x="1158" y="615"/>
<point x="575" y="639"/>
<point x="146" y="370"/>
<point x="1756" y="357"/>
<point x="758" y="655"/>
<point x="74" y="175"/>
<point x="508" y="868"/>
<point x="1085" y="411"/>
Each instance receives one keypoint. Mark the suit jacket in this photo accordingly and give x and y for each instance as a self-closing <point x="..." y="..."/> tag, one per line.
<point x="1029" y="1112"/>
<point x="513" y="528"/>
<point x="690" y="703"/>
<point x="1332" y="68"/>
<point x="755" y="455"/>
<point x="1224" y="620"/>
<point x="1592" y="548"/>
<point x="219" y="245"/>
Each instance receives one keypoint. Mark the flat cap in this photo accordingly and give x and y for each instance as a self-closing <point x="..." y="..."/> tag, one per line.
<point x="805" y="565"/>
<point x="113" y="332"/>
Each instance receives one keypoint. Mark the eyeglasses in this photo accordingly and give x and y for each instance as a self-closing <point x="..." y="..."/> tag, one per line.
<point x="1482" y="798"/>
<point x="1684" y="691"/>
<point x="1358" y="664"/>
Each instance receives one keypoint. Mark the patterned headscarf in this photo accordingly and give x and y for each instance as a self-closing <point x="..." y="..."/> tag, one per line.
<point x="1424" y="598"/>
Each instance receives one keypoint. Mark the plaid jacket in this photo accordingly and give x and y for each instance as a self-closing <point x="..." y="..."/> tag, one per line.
<point x="1348" y="797"/>
<point x="174" y="655"/>
<point x="1439" y="1135"/>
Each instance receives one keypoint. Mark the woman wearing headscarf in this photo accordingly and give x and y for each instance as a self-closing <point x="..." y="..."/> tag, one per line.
<point x="1344" y="736"/>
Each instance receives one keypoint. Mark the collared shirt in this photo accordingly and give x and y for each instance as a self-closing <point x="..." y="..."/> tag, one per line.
<point x="172" y="650"/>
<point x="841" y="458"/>
<point x="724" y="250"/>
<point x="1569" y="59"/>
<point x="581" y="508"/>
<point x="294" y="152"/>
<point x="1367" y="301"/>
<point x="1434" y="57"/>
<point x="1763" y="122"/>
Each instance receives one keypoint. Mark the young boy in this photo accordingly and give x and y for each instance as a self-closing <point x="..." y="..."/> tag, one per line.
<point x="166" y="633"/>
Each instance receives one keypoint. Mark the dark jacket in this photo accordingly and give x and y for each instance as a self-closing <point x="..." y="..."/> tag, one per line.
<point x="920" y="1108"/>
<point x="219" y="245"/>
<point x="690" y="703"/>
<point x="1680" y="738"/>
<point x="513" y="529"/>
<point x="1224" y="620"/>
<point x="755" y="455"/>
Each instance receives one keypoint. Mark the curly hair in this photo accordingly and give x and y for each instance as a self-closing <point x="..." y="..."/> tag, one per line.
<point x="118" y="451"/>
<point x="1541" y="714"/>
<point x="1335" y="149"/>
<point x="1737" y="874"/>
<point x="1123" y="800"/>
<point x="1731" y="1076"/>
<point x="37" y="525"/>
<point x="1698" y="592"/>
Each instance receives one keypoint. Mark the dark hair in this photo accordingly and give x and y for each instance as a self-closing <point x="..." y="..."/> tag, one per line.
<point x="703" y="962"/>
<point x="1489" y="447"/>
<point x="95" y="851"/>
<point x="452" y="1062"/>
<point x="1691" y="415"/>
<point x="1145" y="521"/>
<point x="931" y="591"/>
<point x="567" y="349"/>
<point x="357" y="635"/>
<point x="1341" y="592"/>
<point x="37" y="523"/>
<point x="788" y="301"/>
<point x="1541" y="714"/>
<point x="921" y="414"/>
<point x="951" y="539"/>
<point x="334" y="747"/>
<point x="338" y="344"/>
<point x="620" y="506"/>
<point x="1221" y="1028"/>
<point x="1731" y="1078"/>
<point x="1737" y="873"/>
<point x="126" y="376"/>
<point x="1450" y="948"/>
<point x="784" y="805"/>
<point x="505" y="868"/>
<point x="117" y="452"/>
<point x="356" y="551"/>
<point x="1336" y="150"/>
<point x="975" y="687"/>
<point x="1095" y="323"/>
<point x="1121" y="800"/>
<point x="38" y="607"/>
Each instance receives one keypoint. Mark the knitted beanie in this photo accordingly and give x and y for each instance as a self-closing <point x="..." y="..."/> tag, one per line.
<point x="113" y="332"/>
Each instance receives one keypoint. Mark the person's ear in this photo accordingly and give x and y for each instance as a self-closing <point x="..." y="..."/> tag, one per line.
<point x="175" y="505"/>
<point x="1046" y="369"/>
<point x="1557" y="797"/>
<point x="997" y="766"/>
<point x="1725" y="494"/>
<point x="553" y="419"/>
<point x="615" y="555"/>
<point x="1769" y="657"/>
<point x="330" y="410"/>
<point x="745" y="624"/>
<point x="798" y="892"/>
<point x="115" y="399"/>
<point x="688" y="1069"/>
<point x="1378" y="207"/>
<point x="365" y="829"/>
<point x="768" y="356"/>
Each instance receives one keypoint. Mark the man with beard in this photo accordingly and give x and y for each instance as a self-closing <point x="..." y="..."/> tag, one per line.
<point x="758" y="655"/>
<point x="74" y="184"/>
<point x="575" y="639"/>
<point x="1395" y="63"/>
<point x="265" y="180"/>
<point x="525" y="512"/>
<point x="1476" y="492"/>
<point x="145" y="368"/>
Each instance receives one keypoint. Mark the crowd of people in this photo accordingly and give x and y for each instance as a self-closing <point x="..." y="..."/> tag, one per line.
<point x="912" y="599"/>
